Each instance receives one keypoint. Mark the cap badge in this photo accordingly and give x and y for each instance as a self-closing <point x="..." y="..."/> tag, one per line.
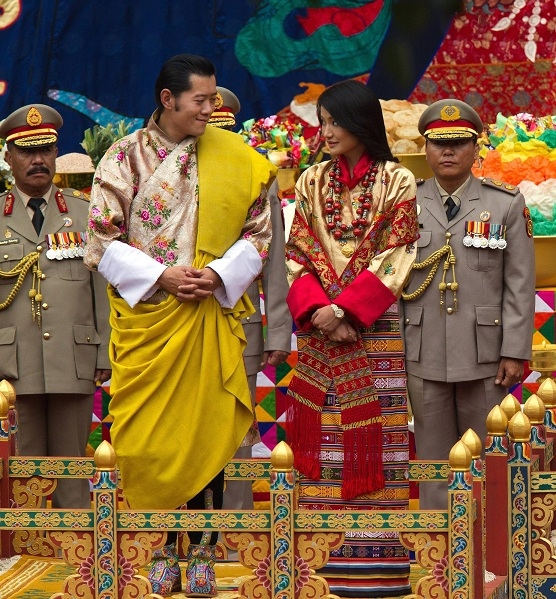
<point x="450" y="113"/>
<point x="218" y="102"/>
<point x="34" y="117"/>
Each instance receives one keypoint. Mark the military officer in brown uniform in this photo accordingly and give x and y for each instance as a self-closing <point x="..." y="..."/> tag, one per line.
<point x="469" y="328"/>
<point x="54" y="312"/>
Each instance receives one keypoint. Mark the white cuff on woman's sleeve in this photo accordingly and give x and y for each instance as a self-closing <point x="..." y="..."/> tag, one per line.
<point x="237" y="268"/>
<point x="130" y="271"/>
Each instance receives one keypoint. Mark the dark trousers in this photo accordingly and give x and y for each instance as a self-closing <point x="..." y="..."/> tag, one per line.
<point x="198" y="503"/>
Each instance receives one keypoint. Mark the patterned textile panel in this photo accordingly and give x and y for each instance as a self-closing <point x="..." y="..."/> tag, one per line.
<point x="369" y="564"/>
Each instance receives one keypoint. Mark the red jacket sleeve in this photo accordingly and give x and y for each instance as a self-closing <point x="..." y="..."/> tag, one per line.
<point x="305" y="296"/>
<point x="365" y="299"/>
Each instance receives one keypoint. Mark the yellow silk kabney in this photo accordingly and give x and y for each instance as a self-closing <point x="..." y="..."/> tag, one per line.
<point x="180" y="399"/>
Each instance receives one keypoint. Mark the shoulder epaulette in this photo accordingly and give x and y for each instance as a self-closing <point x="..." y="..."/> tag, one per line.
<point x="75" y="193"/>
<point x="513" y="189"/>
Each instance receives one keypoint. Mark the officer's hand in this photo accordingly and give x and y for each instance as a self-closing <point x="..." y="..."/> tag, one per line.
<point x="510" y="372"/>
<point x="273" y="358"/>
<point x="101" y="376"/>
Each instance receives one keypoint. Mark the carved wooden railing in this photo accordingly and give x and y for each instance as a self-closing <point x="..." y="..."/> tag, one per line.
<point x="109" y="546"/>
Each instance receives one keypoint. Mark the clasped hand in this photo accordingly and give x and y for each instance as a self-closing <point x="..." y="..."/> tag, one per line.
<point x="188" y="283"/>
<point x="336" y="329"/>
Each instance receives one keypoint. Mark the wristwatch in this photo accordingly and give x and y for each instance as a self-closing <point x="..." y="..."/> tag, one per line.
<point x="338" y="312"/>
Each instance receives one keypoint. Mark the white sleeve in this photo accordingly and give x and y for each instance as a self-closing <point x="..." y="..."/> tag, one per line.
<point x="237" y="268"/>
<point x="130" y="271"/>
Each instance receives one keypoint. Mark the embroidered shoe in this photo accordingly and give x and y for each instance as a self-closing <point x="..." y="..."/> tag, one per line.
<point x="165" y="574"/>
<point x="200" y="576"/>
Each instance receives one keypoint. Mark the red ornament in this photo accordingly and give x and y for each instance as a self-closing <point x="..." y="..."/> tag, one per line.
<point x="333" y="206"/>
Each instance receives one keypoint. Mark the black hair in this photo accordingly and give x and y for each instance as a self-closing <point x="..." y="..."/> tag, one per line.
<point x="355" y="107"/>
<point x="176" y="72"/>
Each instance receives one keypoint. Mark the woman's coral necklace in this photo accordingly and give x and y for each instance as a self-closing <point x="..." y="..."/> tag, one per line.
<point x="340" y="230"/>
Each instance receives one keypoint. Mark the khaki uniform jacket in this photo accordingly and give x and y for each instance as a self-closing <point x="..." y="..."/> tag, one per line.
<point x="496" y="288"/>
<point x="275" y="289"/>
<point x="60" y="355"/>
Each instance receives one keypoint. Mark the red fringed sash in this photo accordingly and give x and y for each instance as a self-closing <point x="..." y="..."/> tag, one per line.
<point x="323" y="363"/>
<point x="345" y="365"/>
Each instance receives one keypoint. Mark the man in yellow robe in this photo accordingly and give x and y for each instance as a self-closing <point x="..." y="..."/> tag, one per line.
<point x="179" y="225"/>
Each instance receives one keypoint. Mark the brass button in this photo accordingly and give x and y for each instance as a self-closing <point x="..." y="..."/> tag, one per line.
<point x="43" y="276"/>
<point x="45" y="306"/>
<point x="450" y="310"/>
<point x="39" y="248"/>
<point x="248" y="319"/>
<point x="6" y="256"/>
<point x="407" y="321"/>
<point x="88" y="339"/>
<point x="496" y="321"/>
<point x="46" y="336"/>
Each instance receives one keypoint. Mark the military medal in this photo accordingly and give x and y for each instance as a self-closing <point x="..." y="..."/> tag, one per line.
<point x="494" y="236"/>
<point x="80" y="252"/>
<point x="485" y="227"/>
<point x="485" y="215"/>
<point x="478" y="234"/>
<point x="51" y="251"/>
<point x="71" y="250"/>
<point x="467" y="239"/>
<point x="502" y="243"/>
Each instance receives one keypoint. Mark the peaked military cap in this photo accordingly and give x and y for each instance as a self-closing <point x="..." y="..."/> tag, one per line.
<point x="450" y="119"/>
<point x="33" y="125"/>
<point x="226" y="107"/>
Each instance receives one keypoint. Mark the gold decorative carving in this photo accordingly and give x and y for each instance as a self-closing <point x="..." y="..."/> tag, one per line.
<point x="312" y="551"/>
<point x="31" y="494"/>
<point x="431" y="553"/>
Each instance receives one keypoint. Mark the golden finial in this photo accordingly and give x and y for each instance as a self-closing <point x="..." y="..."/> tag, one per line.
<point x="497" y="422"/>
<point x="4" y="407"/>
<point x="282" y="457"/>
<point x="471" y="439"/>
<point x="9" y="391"/>
<point x="460" y="457"/>
<point x="519" y="428"/>
<point x="105" y="457"/>
<point x="510" y="405"/>
<point x="534" y="409"/>
<point x="546" y="391"/>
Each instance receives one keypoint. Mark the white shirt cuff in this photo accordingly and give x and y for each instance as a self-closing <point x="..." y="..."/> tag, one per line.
<point x="130" y="271"/>
<point x="237" y="268"/>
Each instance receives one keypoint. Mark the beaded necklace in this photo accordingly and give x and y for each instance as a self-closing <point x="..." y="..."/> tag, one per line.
<point x="340" y="230"/>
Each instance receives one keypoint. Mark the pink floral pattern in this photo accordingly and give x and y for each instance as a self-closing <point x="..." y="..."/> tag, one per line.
<point x="126" y="572"/>
<point x="154" y="213"/>
<point x="302" y="573"/>
<point x="86" y="571"/>
<point x="440" y="573"/>
<point x="263" y="573"/>
<point x="164" y="251"/>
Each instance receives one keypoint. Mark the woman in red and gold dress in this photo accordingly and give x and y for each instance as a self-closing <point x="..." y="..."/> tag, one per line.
<point x="349" y="252"/>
